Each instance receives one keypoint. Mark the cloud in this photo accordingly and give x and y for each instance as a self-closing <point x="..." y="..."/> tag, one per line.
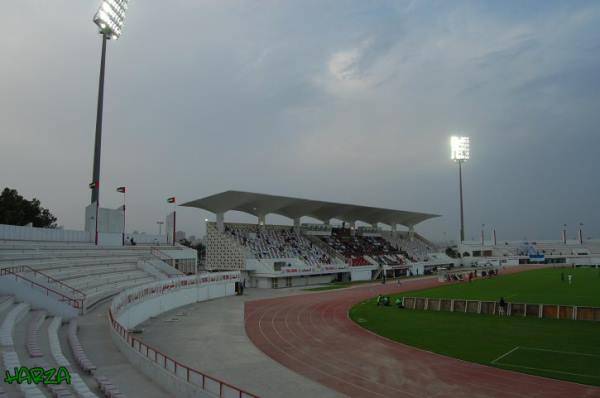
<point x="351" y="103"/>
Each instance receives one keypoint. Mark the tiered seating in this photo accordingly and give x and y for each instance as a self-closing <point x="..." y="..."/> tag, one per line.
<point x="11" y="361"/>
<point x="108" y="389"/>
<point x="56" y="390"/>
<point x="76" y="270"/>
<point x="354" y="247"/>
<point x="33" y="335"/>
<point x="275" y="242"/>
<point x="416" y="248"/>
<point x="390" y="259"/>
<point x="8" y="324"/>
<point x="82" y="360"/>
<point x="77" y="382"/>
<point x="358" y="261"/>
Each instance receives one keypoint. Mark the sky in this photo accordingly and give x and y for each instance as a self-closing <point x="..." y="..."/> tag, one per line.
<point x="344" y="101"/>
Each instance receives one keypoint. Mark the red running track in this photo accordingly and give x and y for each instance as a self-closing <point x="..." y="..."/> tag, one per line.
<point x="312" y="335"/>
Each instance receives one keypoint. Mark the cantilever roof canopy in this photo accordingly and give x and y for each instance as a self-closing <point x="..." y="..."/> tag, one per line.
<point x="259" y="204"/>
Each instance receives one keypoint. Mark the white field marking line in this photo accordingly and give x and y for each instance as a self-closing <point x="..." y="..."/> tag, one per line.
<point x="561" y="352"/>
<point x="505" y="354"/>
<point x="546" y="370"/>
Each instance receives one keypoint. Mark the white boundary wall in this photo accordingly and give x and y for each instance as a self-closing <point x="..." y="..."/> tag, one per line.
<point x="137" y="304"/>
<point x="15" y="232"/>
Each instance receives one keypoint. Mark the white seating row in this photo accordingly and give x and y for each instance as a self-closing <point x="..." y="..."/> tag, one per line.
<point x="77" y="382"/>
<point x="8" y="324"/>
<point x="11" y="361"/>
<point x="109" y="290"/>
<point x="78" y="272"/>
<point x="33" y="335"/>
<point x="89" y="284"/>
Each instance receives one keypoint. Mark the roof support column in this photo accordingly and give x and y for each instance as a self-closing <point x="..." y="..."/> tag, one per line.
<point x="262" y="219"/>
<point x="297" y="225"/>
<point x="327" y="222"/>
<point x="394" y="230"/>
<point x="411" y="232"/>
<point x="221" y="222"/>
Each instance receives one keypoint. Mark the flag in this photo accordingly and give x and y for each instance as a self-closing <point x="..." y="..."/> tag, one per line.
<point x="94" y="184"/>
<point x="122" y="189"/>
<point x="171" y="200"/>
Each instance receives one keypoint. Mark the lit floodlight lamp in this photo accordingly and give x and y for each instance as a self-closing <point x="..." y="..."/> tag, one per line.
<point x="110" y="17"/>
<point x="460" y="152"/>
<point x="460" y="148"/>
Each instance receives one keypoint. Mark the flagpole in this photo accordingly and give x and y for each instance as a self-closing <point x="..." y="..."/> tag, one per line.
<point x="174" y="222"/>
<point x="97" y="212"/>
<point x="94" y="185"/>
<point x="124" y="193"/>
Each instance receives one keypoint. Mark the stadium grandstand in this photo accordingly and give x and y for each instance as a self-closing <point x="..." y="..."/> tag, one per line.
<point x="306" y="254"/>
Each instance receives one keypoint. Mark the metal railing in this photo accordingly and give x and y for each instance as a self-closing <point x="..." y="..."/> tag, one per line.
<point x="190" y="375"/>
<point x="75" y="302"/>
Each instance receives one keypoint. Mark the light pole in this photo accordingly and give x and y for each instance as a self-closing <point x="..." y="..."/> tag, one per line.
<point x="581" y="233"/>
<point x="172" y="201"/>
<point x="109" y="18"/>
<point x="565" y="233"/>
<point x="460" y="152"/>
<point x="123" y="190"/>
<point x="482" y="234"/>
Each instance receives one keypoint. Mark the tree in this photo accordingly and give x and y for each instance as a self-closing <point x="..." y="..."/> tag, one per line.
<point x="16" y="210"/>
<point x="200" y="248"/>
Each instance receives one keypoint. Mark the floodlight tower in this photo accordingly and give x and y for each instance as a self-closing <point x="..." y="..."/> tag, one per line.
<point x="109" y="18"/>
<point x="460" y="152"/>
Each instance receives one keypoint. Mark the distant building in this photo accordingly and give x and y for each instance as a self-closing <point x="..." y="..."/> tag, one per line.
<point x="179" y="235"/>
<point x="192" y="238"/>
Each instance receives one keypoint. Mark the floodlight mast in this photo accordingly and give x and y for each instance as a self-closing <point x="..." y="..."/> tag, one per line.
<point x="460" y="152"/>
<point x="109" y="18"/>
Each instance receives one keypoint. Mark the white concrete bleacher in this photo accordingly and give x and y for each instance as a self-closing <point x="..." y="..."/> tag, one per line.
<point x="33" y="335"/>
<point x="80" y="387"/>
<point x="96" y="272"/>
<point x="11" y="361"/>
<point x="15" y="314"/>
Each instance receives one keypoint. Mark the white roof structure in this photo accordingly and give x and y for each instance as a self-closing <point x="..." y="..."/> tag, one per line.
<point x="260" y="205"/>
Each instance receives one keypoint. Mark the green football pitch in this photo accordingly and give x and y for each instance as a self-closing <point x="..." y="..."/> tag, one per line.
<point x="561" y="349"/>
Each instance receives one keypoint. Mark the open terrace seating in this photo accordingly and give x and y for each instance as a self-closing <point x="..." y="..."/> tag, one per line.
<point x="33" y="335"/>
<point x="11" y="361"/>
<point x="100" y="293"/>
<point x="77" y="382"/>
<point x="17" y="311"/>
<point x="55" y="390"/>
<point x="82" y="360"/>
<point x="108" y="389"/>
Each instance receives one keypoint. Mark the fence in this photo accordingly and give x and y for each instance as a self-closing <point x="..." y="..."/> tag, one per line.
<point x="546" y="311"/>
<point x="77" y="301"/>
<point x="185" y="373"/>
